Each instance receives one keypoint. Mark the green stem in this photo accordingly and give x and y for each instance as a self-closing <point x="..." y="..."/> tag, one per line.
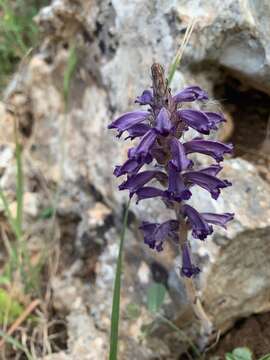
<point x="116" y="292"/>
<point x="19" y="188"/>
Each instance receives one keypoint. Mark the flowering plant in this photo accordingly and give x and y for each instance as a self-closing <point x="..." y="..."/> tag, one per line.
<point x="160" y="129"/>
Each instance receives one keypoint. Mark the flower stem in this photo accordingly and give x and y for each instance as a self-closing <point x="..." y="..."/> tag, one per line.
<point x="116" y="292"/>
<point x="194" y="299"/>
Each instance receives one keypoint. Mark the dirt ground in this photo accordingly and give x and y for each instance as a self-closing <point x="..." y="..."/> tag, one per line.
<point x="253" y="333"/>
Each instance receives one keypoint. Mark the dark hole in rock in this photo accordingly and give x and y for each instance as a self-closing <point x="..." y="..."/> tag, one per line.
<point x="58" y="331"/>
<point x="159" y="273"/>
<point x="250" y="111"/>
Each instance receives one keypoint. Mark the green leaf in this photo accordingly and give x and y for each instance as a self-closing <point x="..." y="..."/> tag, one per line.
<point x="116" y="293"/>
<point x="155" y="297"/>
<point x="242" y="353"/>
<point x="229" y="356"/>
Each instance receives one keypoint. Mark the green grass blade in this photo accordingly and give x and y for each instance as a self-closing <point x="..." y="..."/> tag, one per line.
<point x="19" y="187"/>
<point x="69" y="71"/>
<point x="180" y="52"/>
<point x="116" y="293"/>
<point x="16" y="344"/>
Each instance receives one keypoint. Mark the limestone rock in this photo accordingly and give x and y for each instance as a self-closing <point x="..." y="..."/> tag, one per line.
<point x="235" y="261"/>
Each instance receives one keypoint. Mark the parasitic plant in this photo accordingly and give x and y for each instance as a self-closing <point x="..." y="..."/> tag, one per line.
<point x="160" y="129"/>
<point x="161" y="154"/>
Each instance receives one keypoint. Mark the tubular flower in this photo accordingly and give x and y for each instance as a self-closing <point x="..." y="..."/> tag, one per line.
<point x="159" y="130"/>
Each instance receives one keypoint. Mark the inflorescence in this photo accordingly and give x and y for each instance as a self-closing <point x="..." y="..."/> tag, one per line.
<point x="160" y="129"/>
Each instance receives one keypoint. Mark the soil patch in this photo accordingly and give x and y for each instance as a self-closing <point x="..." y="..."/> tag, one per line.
<point x="253" y="333"/>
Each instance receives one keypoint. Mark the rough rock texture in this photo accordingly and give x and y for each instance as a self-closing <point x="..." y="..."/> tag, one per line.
<point x="236" y="260"/>
<point x="116" y="42"/>
<point x="233" y="34"/>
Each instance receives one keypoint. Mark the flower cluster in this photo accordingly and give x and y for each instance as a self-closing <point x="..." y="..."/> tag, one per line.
<point x="159" y="130"/>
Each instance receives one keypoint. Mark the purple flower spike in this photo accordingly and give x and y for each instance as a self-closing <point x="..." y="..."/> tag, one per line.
<point x="163" y="123"/>
<point x="141" y="151"/>
<point x="176" y="190"/>
<point x="188" y="269"/>
<point x="189" y="94"/>
<point x="127" y="120"/>
<point x="218" y="219"/>
<point x="146" y="98"/>
<point x="195" y="119"/>
<point x="148" y="192"/>
<point x="200" y="228"/>
<point x="137" y="181"/>
<point x="155" y="234"/>
<point x="214" y="149"/>
<point x="160" y="132"/>
<point x="179" y="158"/>
<point x="207" y="182"/>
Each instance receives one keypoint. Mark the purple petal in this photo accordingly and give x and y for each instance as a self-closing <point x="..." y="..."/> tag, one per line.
<point x="195" y="119"/>
<point x="127" y="120"/>
<point x="179" y="158"/>
<point x="148" y="231"/>
<point x="214" y="149"/>
<point x="141" y="151"/>
<point x="137" y="130"/>
<point x="215" y="119"/>
<point x="146" y="98"/>
<point x="200" y="228"/>
<point x="163" y="123"/>
<point x="190" y="93"/>
<point x="129" y="166"/>
<point x="137" y="181"/>
<point x="188" y="269"/>
<point x="155" y="234"/>
<point x="148" y="192"/>
<point x="218" y="219"/>
<point x="176" y="190"/>
<point x="211" y="170"/>
<point x="207" y="182"/>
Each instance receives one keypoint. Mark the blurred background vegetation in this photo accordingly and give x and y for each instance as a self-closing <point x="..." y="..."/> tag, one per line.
<point x="18" y="33"/>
